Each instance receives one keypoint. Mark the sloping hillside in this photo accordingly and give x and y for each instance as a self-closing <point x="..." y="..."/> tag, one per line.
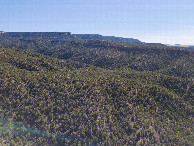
<point x="74" y="102"/>
<point x="108" y="55"/>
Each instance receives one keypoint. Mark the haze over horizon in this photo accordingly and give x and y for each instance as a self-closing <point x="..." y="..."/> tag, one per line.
<point x="156" y="21"/>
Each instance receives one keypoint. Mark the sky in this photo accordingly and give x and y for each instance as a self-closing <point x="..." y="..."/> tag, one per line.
<point x="154" y="21"/>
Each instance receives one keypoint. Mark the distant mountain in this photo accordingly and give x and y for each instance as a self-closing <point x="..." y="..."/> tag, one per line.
<point x="106" y="38"/>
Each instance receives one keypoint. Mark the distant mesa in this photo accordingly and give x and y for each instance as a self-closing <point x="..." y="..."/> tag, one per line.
<point x="155" y="44"/>
<point x="62" y="35"/>
<point x="40" y="35"/>
<point x="106" y="38"/>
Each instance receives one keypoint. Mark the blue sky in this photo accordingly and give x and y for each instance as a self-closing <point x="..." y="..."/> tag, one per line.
<point x="165" y="21"/>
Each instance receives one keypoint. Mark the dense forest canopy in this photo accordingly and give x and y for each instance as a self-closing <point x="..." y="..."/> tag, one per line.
<point x="58" y="88"/>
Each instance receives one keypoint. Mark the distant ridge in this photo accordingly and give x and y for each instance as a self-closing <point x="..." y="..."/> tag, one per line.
<point x="106" y="38"/>
<point x="43" y="35"/>
<point x="60" y="35"/>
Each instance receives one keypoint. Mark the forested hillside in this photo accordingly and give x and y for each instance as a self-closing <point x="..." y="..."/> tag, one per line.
<point x="108" y="55"/>
<point x="57" y="90"/>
